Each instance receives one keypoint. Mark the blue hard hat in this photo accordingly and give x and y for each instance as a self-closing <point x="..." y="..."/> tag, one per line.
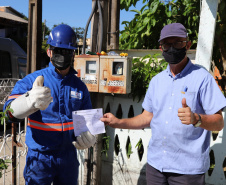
<point x="62" y="36"/>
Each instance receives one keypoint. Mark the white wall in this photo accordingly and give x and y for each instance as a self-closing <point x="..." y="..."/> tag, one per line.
<point x="120" y="170"/>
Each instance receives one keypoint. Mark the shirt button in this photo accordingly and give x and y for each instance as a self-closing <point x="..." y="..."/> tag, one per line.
<point x="172" y="94"/>
<point x="164" y="137"/>
<point x="166" y="122"/>
<point x="170" y="108"/>
<point x="164" y="151"/>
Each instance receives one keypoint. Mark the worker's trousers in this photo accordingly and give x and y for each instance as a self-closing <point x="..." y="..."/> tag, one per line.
<point x="58" y="167"/>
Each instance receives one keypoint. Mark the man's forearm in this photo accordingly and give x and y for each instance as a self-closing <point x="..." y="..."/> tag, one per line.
<point x="213" y="122"/>
<point x="138" y="122"/>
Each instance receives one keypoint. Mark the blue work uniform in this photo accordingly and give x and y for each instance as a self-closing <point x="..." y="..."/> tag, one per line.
<point x="51" y="156"/>
<point x="175" y="147"/>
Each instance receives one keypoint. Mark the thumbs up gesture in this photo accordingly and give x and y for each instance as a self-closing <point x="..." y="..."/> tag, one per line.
<point x="38" y="81"/>
<point x="185" y="114"/>
<point x="39" y="96"/>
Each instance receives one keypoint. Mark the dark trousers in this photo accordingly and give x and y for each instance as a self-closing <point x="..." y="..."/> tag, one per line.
<point x="155" y="177"/>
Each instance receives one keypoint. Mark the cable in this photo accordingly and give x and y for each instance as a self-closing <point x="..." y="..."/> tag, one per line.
<point x="101" y="26"/>
<point x="87" y="25"/>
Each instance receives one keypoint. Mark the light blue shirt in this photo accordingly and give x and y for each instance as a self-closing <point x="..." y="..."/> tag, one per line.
<point x="175" y="147"/>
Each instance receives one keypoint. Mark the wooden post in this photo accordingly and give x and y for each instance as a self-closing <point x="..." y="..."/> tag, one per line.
<point x="97" y="102"/>
<point x="114" y="24"/>
<point x="92" y="164"/>
<point x="34" y="41"/>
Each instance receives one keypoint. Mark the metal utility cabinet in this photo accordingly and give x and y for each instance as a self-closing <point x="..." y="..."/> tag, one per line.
<point x="115" y="74"/>
<point x="105" y="74"/>
<point x="87" y="67"/>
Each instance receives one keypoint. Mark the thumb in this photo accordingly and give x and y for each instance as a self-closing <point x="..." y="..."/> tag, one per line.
<point x="184" y="104"/>
<point x="38" y="81"/>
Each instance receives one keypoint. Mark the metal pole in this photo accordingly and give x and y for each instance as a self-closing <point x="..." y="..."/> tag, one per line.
<point x="13" y="154"/>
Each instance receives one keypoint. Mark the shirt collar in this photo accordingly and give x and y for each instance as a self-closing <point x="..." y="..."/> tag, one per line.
<point x="183" y="72"/>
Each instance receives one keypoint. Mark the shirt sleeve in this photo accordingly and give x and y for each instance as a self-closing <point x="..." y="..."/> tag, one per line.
<point x="147" y="103"/>
<point x="211" y="97"/>
<point x="21" y="87"/>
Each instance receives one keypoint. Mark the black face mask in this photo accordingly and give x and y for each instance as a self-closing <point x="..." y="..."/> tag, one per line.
<point x="174" y="56"/>
<point x="60" y="61"/>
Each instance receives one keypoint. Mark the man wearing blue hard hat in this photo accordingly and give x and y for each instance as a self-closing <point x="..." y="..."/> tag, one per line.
<point x="182" y="105"/>
<point x="48" y="97"/>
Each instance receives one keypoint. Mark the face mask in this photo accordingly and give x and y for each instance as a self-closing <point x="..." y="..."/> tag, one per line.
<point x="61" y="62"/>
<point x="174" y="56"/>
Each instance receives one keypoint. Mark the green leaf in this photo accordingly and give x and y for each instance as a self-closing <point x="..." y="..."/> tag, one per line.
<point x="141" y="28"/>
<point x="153" y="22"/>
<point x="154" y="7"/>
<point x="146" y="20"/>
<point x="137" y="11"/>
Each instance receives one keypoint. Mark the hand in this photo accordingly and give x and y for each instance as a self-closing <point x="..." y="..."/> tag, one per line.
<point x="110" y="119"/>
<point x="185" y="114"/>
<point x="85" y="140"/>
<point x="39" y="97"/>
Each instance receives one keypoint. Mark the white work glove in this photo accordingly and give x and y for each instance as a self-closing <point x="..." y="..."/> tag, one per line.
<point x="85" y="140"/>
<point x="38" y="97"/>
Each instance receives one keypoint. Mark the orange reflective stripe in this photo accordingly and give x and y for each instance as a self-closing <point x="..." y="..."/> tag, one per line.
<point x="45" y="126"/>
<point x="68" y="126"/>
<point x="14" y="96"/>
<point x="45" y="129"/>
<point x="50" y="126"/>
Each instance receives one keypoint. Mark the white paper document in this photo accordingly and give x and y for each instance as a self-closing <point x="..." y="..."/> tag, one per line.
<point x="88" y="120"/>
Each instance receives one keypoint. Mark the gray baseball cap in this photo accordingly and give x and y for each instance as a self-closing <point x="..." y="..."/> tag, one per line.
<point x="173" y="30"/>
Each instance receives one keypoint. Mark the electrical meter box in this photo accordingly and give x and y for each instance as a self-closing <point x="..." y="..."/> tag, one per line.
<point x="115" y="74"/>
<point x="87" y="67"/>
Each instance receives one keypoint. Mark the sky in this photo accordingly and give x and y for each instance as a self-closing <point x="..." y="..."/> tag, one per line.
<point x="72" y="12"/>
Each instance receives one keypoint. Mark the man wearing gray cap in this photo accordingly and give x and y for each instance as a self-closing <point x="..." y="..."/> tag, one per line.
<point x="182" y="105"/>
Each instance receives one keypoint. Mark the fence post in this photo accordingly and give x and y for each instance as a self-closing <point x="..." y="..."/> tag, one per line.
<point x="13" y="154"/>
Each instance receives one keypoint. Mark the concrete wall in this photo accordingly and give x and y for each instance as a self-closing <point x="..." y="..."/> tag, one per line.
<point x="143" y="52"/>
<point x="119" y="169"/>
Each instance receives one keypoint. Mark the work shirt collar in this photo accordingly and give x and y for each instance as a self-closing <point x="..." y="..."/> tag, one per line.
<point x="182" y="73"/>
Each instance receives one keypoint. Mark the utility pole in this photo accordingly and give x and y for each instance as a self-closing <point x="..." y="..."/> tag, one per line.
<point x="104" y="36"/>
<point x="98" y="33"/>
<point x="111" y="19"/>
<point x="99" y="29"/>
<point x="34" y="41"/>
<point x="113" y="35"/>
